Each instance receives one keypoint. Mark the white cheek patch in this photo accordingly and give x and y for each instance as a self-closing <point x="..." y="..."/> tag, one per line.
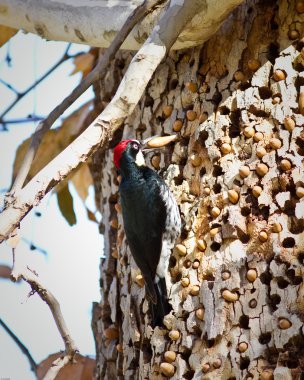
<point x="140" y="161"/>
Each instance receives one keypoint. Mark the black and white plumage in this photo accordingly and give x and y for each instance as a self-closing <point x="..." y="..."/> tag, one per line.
<point x="151" y="222"/>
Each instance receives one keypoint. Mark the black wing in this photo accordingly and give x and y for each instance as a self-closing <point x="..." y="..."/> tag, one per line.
<point x="144" y="215"/>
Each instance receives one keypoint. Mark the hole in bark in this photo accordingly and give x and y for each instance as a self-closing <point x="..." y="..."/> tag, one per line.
<point x="244" y="238"/>
<point x="215" y="246"/>
<point x="292" y="363"/>
<point x="245" y="211"/>
<point x="217" y="188"/>
<point x="173" y="84"/>
<point x="265" y="92"/>
<point x="265" y="278"/>
<point x="202" y="171"/>
<point x="282" y="283"/>
<point x="244" y="85"/>
<point x="210" y="343"/>
<point x="203" y="137"/>
<point x="275" y="300"/>
<point x="295" y="225"/>
<point x="289" y="208"/>
<point x="257" y="112"/>
<point x="186" y="354"/>
<point x="216" y="98"/>
<point x="301" y="257"/>
<point x="288" y="242"/>
<point x="244" y="363"/>
<point x="244" y="321"/>
<point x="234" y="130"/>
<point x="300" y="144"/>
<point x="224" y="110"/>
<point x="149" y="101"/>
<point x="172" y="262"/>
<point x="210" y="284"/>
<point x="191" y="63"/>
<point x="295" y="280"/>
<point x="217" y="171"/>
<point x="179" y="179"/>
<point x="273" y="52"/>
<point x="265" y="338"/>
<point x="189" y="374"/>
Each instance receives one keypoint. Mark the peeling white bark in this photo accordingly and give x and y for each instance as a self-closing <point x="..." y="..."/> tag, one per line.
<point x="96" y="23"/>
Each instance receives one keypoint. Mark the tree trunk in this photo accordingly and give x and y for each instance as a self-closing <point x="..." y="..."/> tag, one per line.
<point x="237" y="104"/>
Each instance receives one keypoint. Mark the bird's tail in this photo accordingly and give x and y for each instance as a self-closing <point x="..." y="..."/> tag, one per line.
<point x="162" y="306"/>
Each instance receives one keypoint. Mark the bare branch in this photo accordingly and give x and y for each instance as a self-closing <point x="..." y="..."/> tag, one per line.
<point x="22" y="347"/>
<point x="102" y="128"/>
<point x="97" y="73"/>
<point x="19" y="272"/>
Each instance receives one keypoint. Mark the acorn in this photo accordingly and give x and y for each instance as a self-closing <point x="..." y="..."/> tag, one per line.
<point x="215" y="212"/>
<point x="293" y="34"/>
<point x="191" y="86"/>
<point x="276" y="227"/>
<point x="155" y="161"/>
<point x="242" y="347"/>
<point x="261" y="169"/>
<point x="300" y="6"/>
<point x="267" y="375"/>
<point x="289" y="124"/>
<point x="200" y="314"/>
<point x="285" y="165"/>
<point x="187" y="264"/>
<point x="174" y="334"/>
<point x="253" y="303"/>
<point x="191" y="115"/>
<point x="278" y="75"/>
<point x="263" y="236"/>
<point x="206" y="190"/>
<point x="169" y="356"/>
<point x="195" y="264"/>
<point x="239" y="76"/>
<point x="276" y="100"/>
<point x="167" y="369"/>
<point x="194" y="291"/>
<point x="201" y="244"/>
<point x="275" y="143"/>
<point x="229" y="296"/>
<point x="140" y="280"/>
<point x="167" y="111"/>
<point x="111" y="333"/>
<point x="177" y="125"/>
<point x="225" y="148"/>
<point x="119" y="348"/>
<point x="205" y="367"/>
<point x="249" y="132"/>
<point x="254" y="64"/>
<point x="301" y="103"/>
<point x="225" y="275"/>
<point x="217" y="363"/>
<point x="195" y="160"/>
<point x="214" y="231"/>
<point x="284" y="324"/>
<point x="181" y="249"/>
<point x="251" y="275"/>
<point x="233" y="196"/>
<point x="261" y="151"/>
<point x="161" y="141"/>
<point x="258" y="136"/>
<point x="300" y="192"/>
<point x="185" y="282"/>
<point x="257" y="191"/>
<point x="244" y="171"/>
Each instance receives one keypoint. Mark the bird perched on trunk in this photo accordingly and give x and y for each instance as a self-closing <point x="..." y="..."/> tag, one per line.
<point x="151" y="222"/>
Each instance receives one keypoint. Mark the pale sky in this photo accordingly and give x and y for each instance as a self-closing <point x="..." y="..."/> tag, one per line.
<point x="71" y="267"/>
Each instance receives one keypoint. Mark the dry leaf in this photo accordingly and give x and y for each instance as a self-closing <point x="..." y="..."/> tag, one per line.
<point x="6" y="33"/>
<point x="5" y="271"/>
<point x="83" y="63"/>
<point x="82" y="180"/>
<point x="83" y="369"/>
<point x="66" y="205"/>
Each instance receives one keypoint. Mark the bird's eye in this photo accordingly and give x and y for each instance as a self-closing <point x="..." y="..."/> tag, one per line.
<point x="135" y="146"/>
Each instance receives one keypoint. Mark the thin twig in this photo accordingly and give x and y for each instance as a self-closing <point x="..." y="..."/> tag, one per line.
<point x="19" y="272"/>
<point x="22" y="347"/>
<point x="137" y="15"/>
<point x="33" y="85"/>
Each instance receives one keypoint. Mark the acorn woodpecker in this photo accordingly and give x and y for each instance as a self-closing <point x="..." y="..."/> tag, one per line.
<point x="151" y="221"/>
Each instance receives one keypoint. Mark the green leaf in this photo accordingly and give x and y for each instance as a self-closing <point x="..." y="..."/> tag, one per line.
<point x="65" y="203"/>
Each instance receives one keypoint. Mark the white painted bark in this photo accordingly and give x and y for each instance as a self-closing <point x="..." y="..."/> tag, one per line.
<point x="96" y="23"/>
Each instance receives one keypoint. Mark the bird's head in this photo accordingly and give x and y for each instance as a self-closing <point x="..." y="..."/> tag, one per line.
<point x="128" y="150"/>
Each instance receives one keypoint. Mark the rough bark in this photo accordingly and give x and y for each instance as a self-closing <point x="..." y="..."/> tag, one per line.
<point x="96" y="23"/>
<point x="237" y="283"/>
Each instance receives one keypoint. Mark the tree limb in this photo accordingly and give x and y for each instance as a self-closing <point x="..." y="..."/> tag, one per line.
<point x="22" y="347"/>
<point x="96" y="23"/>
<point x="99" y="71"/>
<point x="123" y="103"/>
<point x="19" y="272"/>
